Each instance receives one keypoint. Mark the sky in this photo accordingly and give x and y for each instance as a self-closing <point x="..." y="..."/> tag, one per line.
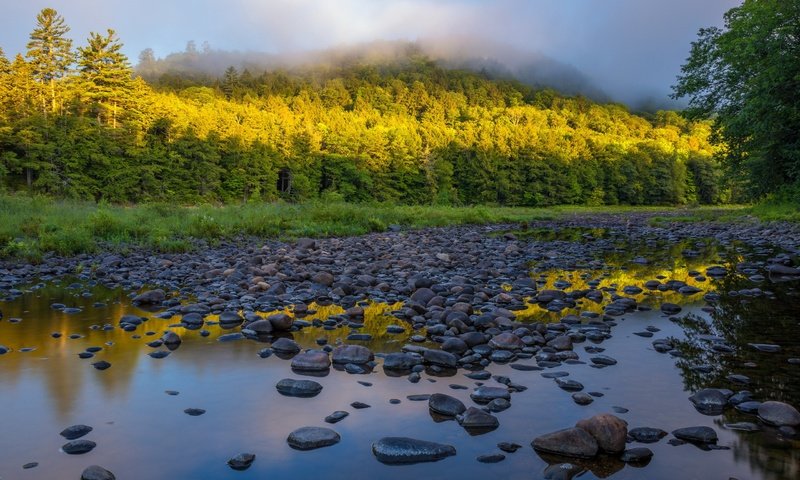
<point x="631" y="49"/>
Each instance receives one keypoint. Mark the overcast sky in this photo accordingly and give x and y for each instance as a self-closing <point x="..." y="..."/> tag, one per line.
<point x="629" y="48"/>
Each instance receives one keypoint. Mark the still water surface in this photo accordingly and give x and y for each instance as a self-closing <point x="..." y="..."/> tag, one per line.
<point x="141" y="432"/>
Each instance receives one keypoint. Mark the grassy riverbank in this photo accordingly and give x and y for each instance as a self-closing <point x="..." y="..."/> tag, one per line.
<point x="33" y="226"/>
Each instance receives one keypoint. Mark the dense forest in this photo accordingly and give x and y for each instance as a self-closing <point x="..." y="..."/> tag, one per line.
<point x="82" y="123"/>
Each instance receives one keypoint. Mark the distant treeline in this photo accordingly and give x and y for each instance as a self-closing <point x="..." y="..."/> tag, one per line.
<point x="80" y="124"/>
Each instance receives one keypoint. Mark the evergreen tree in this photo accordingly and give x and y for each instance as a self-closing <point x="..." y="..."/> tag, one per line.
<point x="107" y="75"/>
<point x="230" y="82"/>
<point x="50" y="53"/>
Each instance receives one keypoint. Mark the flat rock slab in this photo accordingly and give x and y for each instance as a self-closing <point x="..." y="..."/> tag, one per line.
<point x="310" y="438"/>
<point x="298" y="388"/>
<point x="404" y="450"/>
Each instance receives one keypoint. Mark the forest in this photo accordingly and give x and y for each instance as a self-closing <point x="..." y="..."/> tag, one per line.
<point x="83" y="123"/>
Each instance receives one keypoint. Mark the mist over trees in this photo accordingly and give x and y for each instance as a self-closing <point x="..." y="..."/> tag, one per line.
<point x="409" y="130"/>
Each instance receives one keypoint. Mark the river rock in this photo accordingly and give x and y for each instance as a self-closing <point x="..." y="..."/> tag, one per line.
<point x="298" y="388"/>
<point x="285" y="345"/>
<point x="310" y="438"/>
<point x="280" y="321"/>
<point x="78" y="447"/>
<point x="506" y="341"/>
<point x="355" y="354"/>
<point x="96" y="472"/>
<point x="647" y="434"/>
<point x="336" y="416"/>
<point x="440" y="358"/>
<point x="260" y="327"/>
<point x="779" y="414"/>
<point x="242" y="461"/>
<point x="637" y="455"/>
<point x="696" y="434"/>
<point x="609" y="431"/>
<point x="484" y="394"/>
<point x="445" y="405"/>
<point x="570" y="442"/>
<point x="311" y="361"/>
<point x="475" y="418"/>
<point x="710" y="401"/>
<point x="404" y="450"/>
<point x="149" y="297"/>
<point x="75" y="431"/>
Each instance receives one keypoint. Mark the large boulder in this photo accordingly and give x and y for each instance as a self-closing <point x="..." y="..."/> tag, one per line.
<point x="609" y="431"/>
<point x="570" y="442"/>
<point x="779" y="414"/>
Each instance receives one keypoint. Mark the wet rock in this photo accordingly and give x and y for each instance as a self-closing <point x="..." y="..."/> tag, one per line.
<point x="569" y="385"/>
<point x="171" y="338"/>
<point x="508" y="447"/>
<point x="484" y="394"/>
<point x="194" y="412"/>
<point x="743" y="426"/>
<point x="498" y="405"/>
<point x="609" y="431"/>
<point x="475" y="418"/>
<point x="260" y="327"/>
<point x="696" y="434"/>
<point x="647" y="434"/>
<point x="603" y="360"/>
<point x="710" y="401"/>
<point x="506" y="341"/>
<point x="298" y="388"/>
<point x="242" y="461"/>
<point x="311" y="361"/>
<point x="75" y="431"/>
<point x="285" y="345"/>
<point x="310" y="438"/>
<point x="159" y="354"/>
<point x="570" y="442"/>
<point x="750" y="407"/>
<point x="355" y="354"/>
<point x="78" y="447"/>
<point x="30" y="465"/>
<point x="765" y="347"/>
<point x="336" y="416"/>
<point x="582" y="398"/>
<point x="779" y="414"/>
<point x="101" y="365"/>
<point x="562" y="342"/>
<point x="440" y="358"/>
<point x="360" y="405"/>
<point x="96" y="472"/>
<point x="280" y="321"/>
<point x="404" y="450"/>
<point x="445" y="405"/>
<point x="670" y="308"/>
<point x="150" y="297"/>
<point x="637" y="455"/>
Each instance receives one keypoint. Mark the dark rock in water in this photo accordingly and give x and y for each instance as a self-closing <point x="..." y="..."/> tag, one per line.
<point x="312" y="361"/>
<point x="440" y="358"/>
<point x="475" y="418"/>
<point x="260" y="327"/>
<point x="355" y="354"/>
<point x="359" y="405"/>
<point x="749" y="406"/>
<point x="696" y="434"/>
<point x="570" y="442"/>
<point x="737" y="378"/>
<point x="506" y="341"/>
<point x="171" y="338"/>
<point x="30" y="465"/>
<point x="647" y="434"/>
<point x="4" y="349"/>
<point x="562" y="471"/>
<point x="498" y="405"/>
<point x="491" y="458"/>
<point x="229" y="319"/>
<point x="637" y="455"/>
<point x="582" y="398"/>
<point x="670" y="308"/>
<point x="285" y="345"/>
<point x="743" y="426"/>
<point x="310" y="438"/>
<point x="280" y="321"/>
<point x="522" y="367"/>
<point x="101" y="365"/>
<point x="508" y="447"/>
<point x="779" y="414"/>
<point x="172" y="393"/>
<point x="131" y="320"/>
<point x="710" y="401"/>
<point x="78" y="447"/>
<point x="159" y="354"/>
<point x="242" y="461"/>
<point x="569" y="385"/>
<point x="555" y="374"/>
<point x="765" y="347"/>
<point x="620" y="409"/>
<point x="85" y="355"/>
<point x="644" y="334"/>
<point x="336" y="416"/>
<point x="96" y="472"/>
<point x="482" y="375"/>
<point x="484" y="394"/>
<point x="149" y="297"/>
<point x="608" y="431"/>
<point x="422" y="397"/>
<point x="230" y="337"/>
<point x="404" y="450"/>
<point x="75" y="431"/>
<point x="603" y="360"/>
<point x="298" y="388"/>
<point x="194" y="412"/>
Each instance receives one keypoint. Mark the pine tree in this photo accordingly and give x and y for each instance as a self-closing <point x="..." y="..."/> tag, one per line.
<point x="230" y="82"/>
<point x="50" y="53"/>
<point x="106" y="73"/>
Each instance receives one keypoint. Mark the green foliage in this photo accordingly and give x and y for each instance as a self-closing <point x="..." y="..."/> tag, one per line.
<point x="745" y="76"/>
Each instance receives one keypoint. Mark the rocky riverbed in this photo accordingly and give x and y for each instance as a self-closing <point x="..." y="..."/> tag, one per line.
<point x="593" y="346"/>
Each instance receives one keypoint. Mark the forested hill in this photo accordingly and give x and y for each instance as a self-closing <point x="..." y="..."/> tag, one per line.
<point x="411" y="132"/>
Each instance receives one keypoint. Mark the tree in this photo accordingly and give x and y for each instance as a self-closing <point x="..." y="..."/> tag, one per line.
<point x="107" y="74"/>
<point x="50" y="52"/>
<point x="230" y="81"/>
<point x="746" y="76"/>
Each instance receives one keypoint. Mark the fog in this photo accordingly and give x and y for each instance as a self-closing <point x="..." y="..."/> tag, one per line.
<point x="623" y="50"/>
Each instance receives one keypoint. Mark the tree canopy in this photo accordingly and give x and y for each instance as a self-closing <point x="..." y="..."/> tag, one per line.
<point x="746" y="77"/>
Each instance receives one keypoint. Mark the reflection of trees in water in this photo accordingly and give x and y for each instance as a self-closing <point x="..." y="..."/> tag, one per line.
<point x="735" y="322"/>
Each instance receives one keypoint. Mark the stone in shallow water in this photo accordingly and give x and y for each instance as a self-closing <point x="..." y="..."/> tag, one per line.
<point x="75" y="431"/>
<point x="446" y="405"/>
<point x="298" y="388"/>
<point x="508" y="447"/>
<point x="475" y="418"/>
<point x="312" y="361"/>
<point x="570" y="442"/>
<point x="582" y="398"/>
<point x="355" y="354"/>
<point x="743" y="426"/>
<point x="486" y="394"/>
<point x="241" y="461"/>
<point x="647" y="434"/>
<point x="336" y="416"/>
<point x="101" y="365"/>
<point x="491" y="458"/>
<point x="404" y="450"/>
<point x="569" y="385"/>
<point x="30" y="465"/>
<point x="159" y="354"/>
<point x="194" y="412"/>
<point x="779" y="414"/>
<point x="637" y="455"/>
<point x="78" y="447"/>
<point x="310" y="438"/>
<point x="710" y="401"/>
<point x="609" y="431"/>
<point x="359" y="405"/>
<point x="696" y="434"/>
<point x="96" y="472"/>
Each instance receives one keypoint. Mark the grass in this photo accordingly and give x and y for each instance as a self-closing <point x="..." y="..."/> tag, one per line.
<point x="31" y="227"/>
